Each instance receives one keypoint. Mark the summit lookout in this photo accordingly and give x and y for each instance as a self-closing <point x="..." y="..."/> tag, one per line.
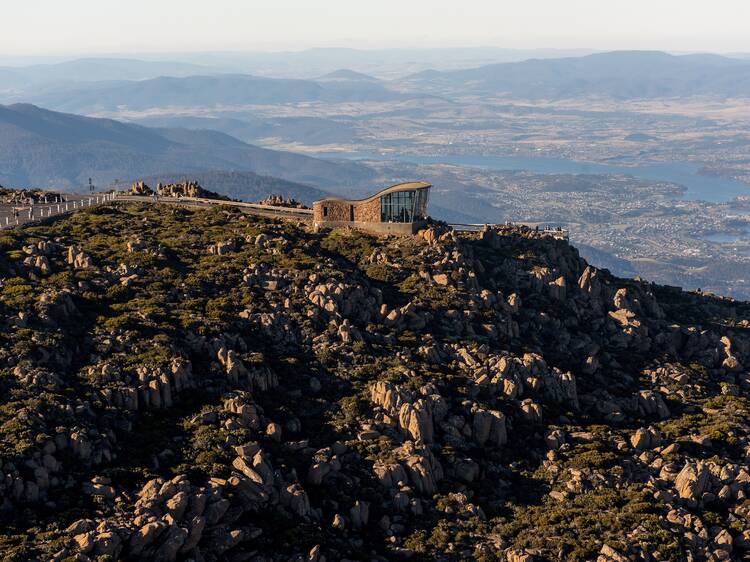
<point x="399" y="209"/>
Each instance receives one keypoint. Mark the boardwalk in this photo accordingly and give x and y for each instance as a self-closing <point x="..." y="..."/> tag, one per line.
<point x="548" y="231"/>
<point x="305" y="215"/>
<point x="12" y="216"/>
<point x="18" y="215"/>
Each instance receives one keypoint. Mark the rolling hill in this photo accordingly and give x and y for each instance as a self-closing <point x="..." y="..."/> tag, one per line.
<point x="617" y="75"/>
<point x="24" y="78"/>
<point x="45" y="148"/>
<point x="346" y="74"/>
<point x="303" y="129"/>
<point x="210" y="91"/>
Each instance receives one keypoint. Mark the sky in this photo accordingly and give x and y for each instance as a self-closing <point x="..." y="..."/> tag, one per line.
<point x="57" y="27"/>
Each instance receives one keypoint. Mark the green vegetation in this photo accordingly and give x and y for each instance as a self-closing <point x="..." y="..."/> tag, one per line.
<point x="237" y="357"/>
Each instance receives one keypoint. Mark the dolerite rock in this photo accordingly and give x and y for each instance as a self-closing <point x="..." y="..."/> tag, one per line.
<point x="609" y="554"/>
<point x="171" y="543"/>
<point x="646" y="438"/>
<point x="489" y="427"/>
<point x="416" y="420"/>
<point x="222" y="248"/>
<point x="389" y="474"/>
<point x="531" y="411"/>
<point x="201" y="384"/>
<point x="295" y="497"/>
<point x="421" y="466"/>
<point x="692" y="481"/>
<point x="415" y="417"/>
<point x="145" y="536"/>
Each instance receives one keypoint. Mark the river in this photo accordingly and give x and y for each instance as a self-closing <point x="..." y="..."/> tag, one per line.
<point x="698" y="187"/>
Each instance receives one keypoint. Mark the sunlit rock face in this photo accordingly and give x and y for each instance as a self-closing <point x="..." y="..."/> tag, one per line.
<point x="186" y="384"/>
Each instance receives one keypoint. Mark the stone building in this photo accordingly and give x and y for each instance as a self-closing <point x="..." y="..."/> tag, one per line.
<point x="399" y="209"/>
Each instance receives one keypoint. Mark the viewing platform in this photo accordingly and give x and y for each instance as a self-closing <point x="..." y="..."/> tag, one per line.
<point x="13" y="214"/>
<point x="398" y="209"/>
<point x="507" y="228"/>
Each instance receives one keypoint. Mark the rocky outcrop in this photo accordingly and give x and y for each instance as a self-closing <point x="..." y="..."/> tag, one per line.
<point x="692" y="481"/>
<point x="229" y="388"/>
<point x="414" y="416"/>
<point x="258" y="377"/>
<point x="416" y="464"/>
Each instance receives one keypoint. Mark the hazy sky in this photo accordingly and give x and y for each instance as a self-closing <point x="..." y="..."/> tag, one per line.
<point x="50" y="27"/>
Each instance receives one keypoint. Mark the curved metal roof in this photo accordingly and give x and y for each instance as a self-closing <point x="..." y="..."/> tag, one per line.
<point x="406" y="186"/>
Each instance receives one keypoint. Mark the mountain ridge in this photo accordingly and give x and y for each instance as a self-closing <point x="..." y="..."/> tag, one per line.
<point x="216" y="386"/>
<point x="210" y="91"/>
<point x="617" y="74"/>
<point x="46" y="148"/>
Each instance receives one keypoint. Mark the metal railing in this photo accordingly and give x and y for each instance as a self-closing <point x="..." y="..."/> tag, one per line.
<point x="14" y="215"/>
<point x="267" y="209"/>
<point x="552" y="232"/>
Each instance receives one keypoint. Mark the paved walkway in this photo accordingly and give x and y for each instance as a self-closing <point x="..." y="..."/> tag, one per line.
<point x="248" y="208"/>
<point x="17" y="215"/>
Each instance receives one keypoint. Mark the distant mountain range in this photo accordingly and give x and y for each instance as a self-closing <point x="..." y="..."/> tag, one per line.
<point x="617" y="75"/>
<point x="306" y="130"/>
<point x="209" y="91"/>
<point x="45" y="76"/>
<point x="106" y="86"/>
<point x="344" y="74"/>
<point x="383" y="63"/>
<point x="43" y="148"/>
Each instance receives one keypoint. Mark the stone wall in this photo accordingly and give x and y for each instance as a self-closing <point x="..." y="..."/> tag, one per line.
<point x="342" y="210"/>
<point x="337" y="210"/>
<point x="380" y="228"/>
<point x="366" y="215"/>
<point x="368" y="211"/>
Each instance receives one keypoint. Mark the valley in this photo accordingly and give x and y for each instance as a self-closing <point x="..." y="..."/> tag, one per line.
<point x="641" y="204"/>
<point x="646" y="182"/>
<point x="409" y="304"/>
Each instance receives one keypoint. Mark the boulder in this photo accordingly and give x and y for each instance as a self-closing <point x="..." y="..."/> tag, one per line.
<point x="692" y="481"/>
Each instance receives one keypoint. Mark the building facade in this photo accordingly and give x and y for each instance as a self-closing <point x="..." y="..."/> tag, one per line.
<point x="399" y="209"/>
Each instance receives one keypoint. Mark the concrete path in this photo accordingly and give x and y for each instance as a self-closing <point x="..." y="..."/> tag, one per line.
<point x="248" y="208"/>
<point x="18" y="215"/>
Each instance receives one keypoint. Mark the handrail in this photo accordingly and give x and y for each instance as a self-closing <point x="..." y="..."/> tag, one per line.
<point x="249" y="205"/>
<point x="17" y="215"/>
<point x="216" y="202"/>
<point x="554" y="232"/>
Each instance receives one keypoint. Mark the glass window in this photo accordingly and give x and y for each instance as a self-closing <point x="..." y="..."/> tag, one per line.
<point x="403" y="206"/>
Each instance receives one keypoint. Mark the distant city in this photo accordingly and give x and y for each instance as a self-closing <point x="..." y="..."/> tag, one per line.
<point x="643" y="155"/>
<point x="380" y="281"/>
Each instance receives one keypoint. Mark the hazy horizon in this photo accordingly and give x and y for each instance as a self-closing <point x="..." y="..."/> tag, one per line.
<point x="81" y="28"/>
